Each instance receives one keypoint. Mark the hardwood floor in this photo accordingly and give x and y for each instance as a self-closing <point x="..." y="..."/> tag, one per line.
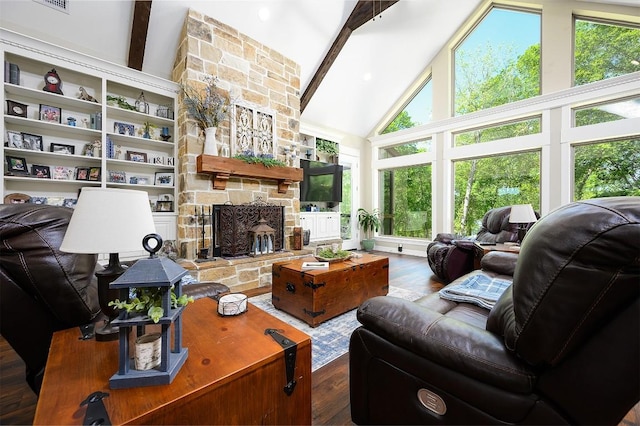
<point x="330" y="393"/>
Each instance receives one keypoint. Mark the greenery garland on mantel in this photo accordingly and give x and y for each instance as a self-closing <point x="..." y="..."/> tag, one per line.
<point x="266" y="161"/>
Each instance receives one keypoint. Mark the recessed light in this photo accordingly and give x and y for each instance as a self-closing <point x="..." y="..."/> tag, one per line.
<point x="367" y="76"/>
<point x="264" y="14"/>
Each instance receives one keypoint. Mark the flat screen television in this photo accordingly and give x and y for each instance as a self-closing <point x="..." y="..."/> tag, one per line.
<point x="321" y="181"/>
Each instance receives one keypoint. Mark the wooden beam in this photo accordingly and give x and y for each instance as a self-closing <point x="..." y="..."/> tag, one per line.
<point x="361" y="13"/>
<point x="139" y="28"/>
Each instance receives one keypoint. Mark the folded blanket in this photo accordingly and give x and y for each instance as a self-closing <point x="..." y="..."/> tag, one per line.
<point x="478" y="289"/>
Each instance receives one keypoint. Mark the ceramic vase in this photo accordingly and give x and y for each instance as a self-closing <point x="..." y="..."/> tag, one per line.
<point x="210" y="142"/>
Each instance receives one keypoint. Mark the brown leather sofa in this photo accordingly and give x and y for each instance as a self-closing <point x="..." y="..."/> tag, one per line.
<point x="450" y="256"/>
<point x="43" y="290"/>
<point x="560" y="346"/>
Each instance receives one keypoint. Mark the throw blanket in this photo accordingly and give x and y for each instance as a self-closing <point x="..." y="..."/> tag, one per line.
<point x="478" y="289"/>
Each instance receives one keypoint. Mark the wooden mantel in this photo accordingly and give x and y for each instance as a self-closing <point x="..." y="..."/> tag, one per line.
<point x="221" y="168"/>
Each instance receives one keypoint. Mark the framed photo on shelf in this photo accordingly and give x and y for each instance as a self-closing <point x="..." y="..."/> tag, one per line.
<point x="50" y="114"/>
<point x="124" y="128"/>
<point x="59" y="148"/>
<point x="42" y="172"/>
<point x="63" y="173"/>
<point x="16" y="109"/>
<point x="117" y="177"/>
<point x="164" y="178"/>
<point x="164" y="206"/>
<point x="95" y="173"/>
<point x="138" y="180"/>
<point x="14" y="139"/>
<point x="32" y="142"/>
<point x="82" y="173"/>
<point x="138" y="157"/>
<point x="17" y="165"/>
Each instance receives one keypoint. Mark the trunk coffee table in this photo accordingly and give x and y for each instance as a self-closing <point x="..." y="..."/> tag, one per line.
<point x="317" y="295"/>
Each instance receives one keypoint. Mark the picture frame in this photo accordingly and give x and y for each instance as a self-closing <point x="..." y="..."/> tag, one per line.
<point x="39" y="200"/>
<point x="17" y="165"/>
<point x="95" y="173"/>
<point x="117" y="176"/>
<point x="41" y="172"/>
<point x="59" y="148"/>
<point x="138" y="157"/>
<point x="82" y="173"/>
<point x="126" y="129"/>
<point x="164" y="206"/>
<point x="165" y="197"/>
<point x="17" y="109"/>
<point x="63" y="173"/>
<point x="138" y="180"/>
<point x="32" y="142"/>
<point x="14" y="139"/>
<point x="164" y="178"/>
<point x="50" y="114"/>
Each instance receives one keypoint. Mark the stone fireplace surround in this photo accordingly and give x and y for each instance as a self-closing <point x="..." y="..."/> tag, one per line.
<point x="254" y="74"/>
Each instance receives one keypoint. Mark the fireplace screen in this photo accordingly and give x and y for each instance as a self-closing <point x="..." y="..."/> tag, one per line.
<point x="232" y="227"/>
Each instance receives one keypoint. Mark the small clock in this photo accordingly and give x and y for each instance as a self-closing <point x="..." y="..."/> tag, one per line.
<point x="16" y="109"/>
<point x="52" y="82"/>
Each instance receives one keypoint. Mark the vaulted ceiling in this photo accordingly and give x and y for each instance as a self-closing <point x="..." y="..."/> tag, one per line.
<point x="355" y="63"/>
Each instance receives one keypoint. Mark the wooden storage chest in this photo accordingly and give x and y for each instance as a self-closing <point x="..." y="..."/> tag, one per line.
<point x="317" y="295"/>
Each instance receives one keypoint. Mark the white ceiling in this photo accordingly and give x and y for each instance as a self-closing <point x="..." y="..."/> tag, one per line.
<point x="394" y="48"/>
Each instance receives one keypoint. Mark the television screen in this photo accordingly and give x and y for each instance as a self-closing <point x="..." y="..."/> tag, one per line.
<point x="321" y="181"/>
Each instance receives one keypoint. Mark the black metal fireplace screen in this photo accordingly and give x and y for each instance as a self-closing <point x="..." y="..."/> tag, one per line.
<point x="232" y="226"/>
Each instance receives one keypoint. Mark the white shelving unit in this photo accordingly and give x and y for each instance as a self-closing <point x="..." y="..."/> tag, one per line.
<point x="323" y="225"/>
<point x="131" y="160"/>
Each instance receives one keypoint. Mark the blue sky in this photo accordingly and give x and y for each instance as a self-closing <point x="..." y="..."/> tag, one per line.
<point x="516" y="29"/>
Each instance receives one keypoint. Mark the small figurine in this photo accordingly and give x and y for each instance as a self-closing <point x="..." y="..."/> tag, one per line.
<point x="85" y="96"/>
<point x="52" y="82"/>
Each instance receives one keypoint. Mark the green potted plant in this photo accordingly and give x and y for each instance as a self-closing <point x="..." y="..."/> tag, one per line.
<point x="369" y="222"/>
<point x="148" y="300"/>
<point x="328" y="147"/>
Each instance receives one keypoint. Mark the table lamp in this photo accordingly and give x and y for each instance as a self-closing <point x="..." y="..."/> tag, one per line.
<point x="107" y="220"/>
<point x="523" y="215"/>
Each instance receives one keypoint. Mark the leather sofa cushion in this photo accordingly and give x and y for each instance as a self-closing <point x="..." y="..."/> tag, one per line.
<point x="591" y="270"/>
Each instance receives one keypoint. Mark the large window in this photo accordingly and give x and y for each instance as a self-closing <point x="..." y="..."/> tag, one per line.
<point x="498" y="62"/>
<point x="485" y="183"/>
<point x="407" y="148"/>
<point x="502" y="131"/>
<point x="406" y="201"/>
<point x="607" y="169"/>
<point x="604" y="50"/>
<point x="418" y="111"/>
<point x="605" y="112"/>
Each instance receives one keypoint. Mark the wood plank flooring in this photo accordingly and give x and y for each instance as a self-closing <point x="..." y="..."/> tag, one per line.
<point x="330" y="394"/>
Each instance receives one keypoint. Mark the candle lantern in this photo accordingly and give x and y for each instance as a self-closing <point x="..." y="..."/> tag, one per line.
<point x="262" y="237"/>
<point x="163" y="274"/>
<point x="141" y="104"/>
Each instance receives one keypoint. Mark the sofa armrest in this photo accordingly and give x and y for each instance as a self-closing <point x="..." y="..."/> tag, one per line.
<point x="469" y="350"/>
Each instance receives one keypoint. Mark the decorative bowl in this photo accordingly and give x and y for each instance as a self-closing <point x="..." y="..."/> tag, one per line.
<point x="334" y="259"/>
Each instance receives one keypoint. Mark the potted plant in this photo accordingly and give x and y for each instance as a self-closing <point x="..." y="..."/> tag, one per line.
<point x="328" y="147"/>
<point x="369" y="222"/>
<point x="148" y="300"/>
<point x="208" y="107"/>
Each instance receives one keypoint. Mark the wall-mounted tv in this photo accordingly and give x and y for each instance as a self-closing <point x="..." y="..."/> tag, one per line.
<point x="321" y="181"/>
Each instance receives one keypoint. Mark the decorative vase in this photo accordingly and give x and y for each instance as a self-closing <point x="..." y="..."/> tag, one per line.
<point x="148" y="349"/>
<point x="210" y="142"/>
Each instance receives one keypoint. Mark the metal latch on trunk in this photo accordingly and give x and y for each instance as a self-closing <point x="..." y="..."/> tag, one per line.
<point x="290" y="349"/>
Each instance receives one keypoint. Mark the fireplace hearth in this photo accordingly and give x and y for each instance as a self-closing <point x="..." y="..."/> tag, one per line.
<point x="232" y="225"/>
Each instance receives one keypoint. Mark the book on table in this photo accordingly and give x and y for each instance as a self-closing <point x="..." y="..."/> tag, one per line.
<point x="315" y="265"/>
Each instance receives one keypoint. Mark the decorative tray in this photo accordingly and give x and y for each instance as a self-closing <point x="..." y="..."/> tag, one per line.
<point x="334" y="259"/>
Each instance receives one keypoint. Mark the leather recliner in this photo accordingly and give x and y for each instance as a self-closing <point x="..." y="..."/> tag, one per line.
<point x="560" y="346"/>
<point x="451" y="256"/>
<point x="43" y="290"/>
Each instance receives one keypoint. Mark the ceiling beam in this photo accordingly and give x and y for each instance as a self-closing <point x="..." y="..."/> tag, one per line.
<point x="363" y="11"/>
<point x="139" y="28"/>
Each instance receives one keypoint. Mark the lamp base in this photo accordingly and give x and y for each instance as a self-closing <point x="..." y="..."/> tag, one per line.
<point x="107" y="332"/>
<point x="111" y="272"/>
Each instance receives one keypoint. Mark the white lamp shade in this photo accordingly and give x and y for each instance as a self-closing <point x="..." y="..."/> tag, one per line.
<point x="522" y="213"/>
<point x="107" y="220"/>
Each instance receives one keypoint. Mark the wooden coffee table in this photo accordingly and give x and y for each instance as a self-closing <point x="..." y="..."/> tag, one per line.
<point x="234" y="374"/>
<point x="317" y="295"/>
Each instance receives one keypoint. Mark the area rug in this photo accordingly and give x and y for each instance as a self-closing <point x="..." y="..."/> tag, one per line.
<point x="330" y="339"/>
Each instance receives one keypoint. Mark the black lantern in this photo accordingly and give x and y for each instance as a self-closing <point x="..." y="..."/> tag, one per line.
<point x="262" y="238"/>
<point x="161" y="274"/>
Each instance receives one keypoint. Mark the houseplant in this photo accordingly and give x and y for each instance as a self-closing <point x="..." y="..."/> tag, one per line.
<point x="148" y="300"/>
<point x="369" y="222"/>
<point x="208" y="107"/>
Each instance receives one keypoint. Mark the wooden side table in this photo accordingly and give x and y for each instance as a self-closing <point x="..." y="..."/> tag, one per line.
<point x="234" y="374"/>
<point x="479" y="250"/>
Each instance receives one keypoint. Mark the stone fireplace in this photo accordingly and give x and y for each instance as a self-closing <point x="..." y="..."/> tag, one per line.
<point x="252" y="74"/>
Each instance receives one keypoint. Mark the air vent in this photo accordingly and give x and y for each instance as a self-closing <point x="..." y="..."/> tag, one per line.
<point x="61" y="5"/>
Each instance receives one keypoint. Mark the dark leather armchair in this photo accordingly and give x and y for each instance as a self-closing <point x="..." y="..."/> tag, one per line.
<point x="560" y="346"/>
<point x="451" y="256"/>
<point x="43" y="290"/>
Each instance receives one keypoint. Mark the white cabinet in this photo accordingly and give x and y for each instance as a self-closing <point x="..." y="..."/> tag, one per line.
<point x="323" y="225"/>
<point x="58" y="141"/>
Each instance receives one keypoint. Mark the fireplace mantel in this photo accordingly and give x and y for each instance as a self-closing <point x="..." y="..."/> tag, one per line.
<point x="221" y="168"/>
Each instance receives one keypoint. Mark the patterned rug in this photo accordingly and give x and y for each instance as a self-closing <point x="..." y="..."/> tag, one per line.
<point x="330" y="339"/>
